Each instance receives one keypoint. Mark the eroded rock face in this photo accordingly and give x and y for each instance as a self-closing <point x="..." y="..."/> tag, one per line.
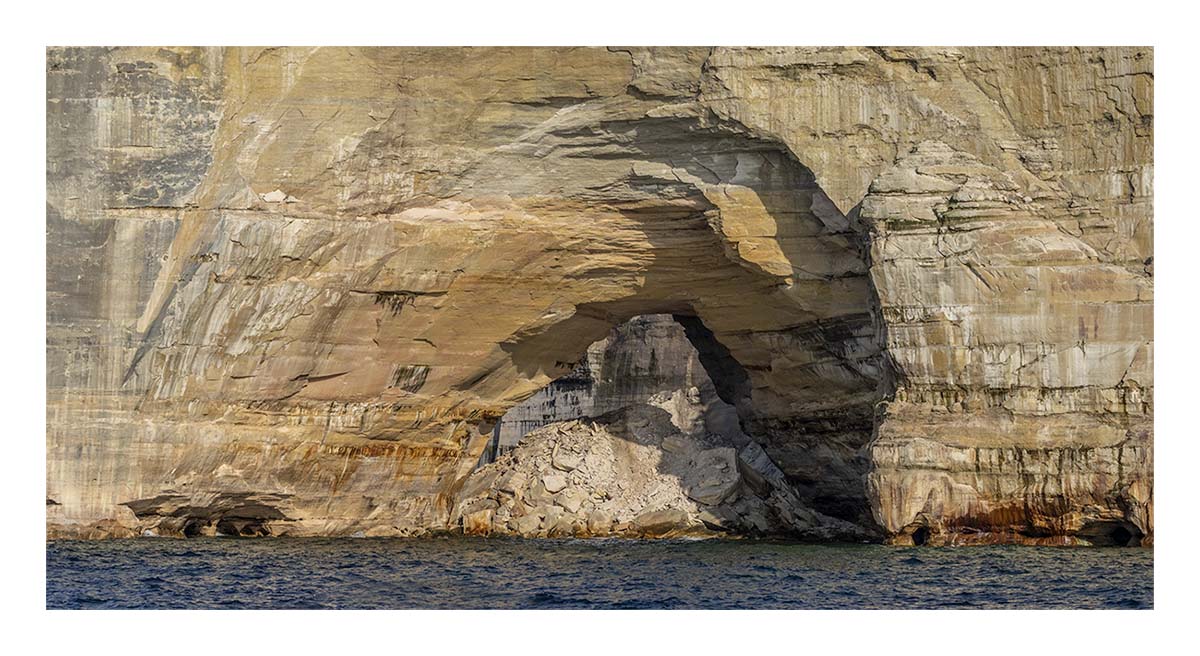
<point x="318" y="276"/>
<point x="1021" y="355"/>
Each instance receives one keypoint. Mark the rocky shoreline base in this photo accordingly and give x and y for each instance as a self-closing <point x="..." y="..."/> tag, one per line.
<point x="646" y="471"/>
<point x="633" y="473"/>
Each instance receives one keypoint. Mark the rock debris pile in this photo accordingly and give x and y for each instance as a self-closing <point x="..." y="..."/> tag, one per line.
<point x="634" y="473"/>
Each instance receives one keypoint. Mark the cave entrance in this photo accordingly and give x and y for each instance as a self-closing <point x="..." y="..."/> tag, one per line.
<point x="1111" y="534"/>
<point x="642" y="438"/>
<point x="661" y="358"/>
<point x="920" y="536"/>
<point x="803" y="394"/>
<point x="731" y="237"/>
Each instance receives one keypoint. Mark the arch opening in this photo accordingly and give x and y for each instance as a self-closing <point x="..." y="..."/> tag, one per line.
<point x="646" y="357"/>
<point x="694" y="217"/>
<point x="643" y="437"/>
<point x="766" y="280"/>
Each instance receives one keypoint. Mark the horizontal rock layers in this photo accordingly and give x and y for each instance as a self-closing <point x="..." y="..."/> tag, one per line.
<point x="643" y="358"/>
<point x="293" y="289"/>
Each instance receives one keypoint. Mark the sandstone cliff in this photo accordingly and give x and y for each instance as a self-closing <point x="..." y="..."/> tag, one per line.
<point x="292" y="290"/>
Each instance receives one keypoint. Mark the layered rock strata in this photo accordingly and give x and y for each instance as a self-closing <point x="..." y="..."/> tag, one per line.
<point x="297" y="287"/>
<point x="642" y="358"/>
<point x="1022" y="395"/>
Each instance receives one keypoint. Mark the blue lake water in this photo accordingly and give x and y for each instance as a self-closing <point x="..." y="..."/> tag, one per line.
<point x="594" y="574"/>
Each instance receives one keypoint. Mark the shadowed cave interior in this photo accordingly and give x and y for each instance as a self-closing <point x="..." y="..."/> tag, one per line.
<point x="651" y="409"/>
<point x="646" y="355"/>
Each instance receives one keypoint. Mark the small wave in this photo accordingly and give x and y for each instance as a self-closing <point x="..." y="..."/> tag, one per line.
<point x="608" y="573"/>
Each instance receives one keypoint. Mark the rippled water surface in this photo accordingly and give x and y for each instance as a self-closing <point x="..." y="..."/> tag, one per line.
<point x="510" y="573"/>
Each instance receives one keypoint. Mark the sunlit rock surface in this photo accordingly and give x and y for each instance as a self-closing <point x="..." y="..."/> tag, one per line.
<point x="292" y="290"/>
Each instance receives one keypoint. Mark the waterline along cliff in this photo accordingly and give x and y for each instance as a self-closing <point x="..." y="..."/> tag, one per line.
<point x="893" y="294"/>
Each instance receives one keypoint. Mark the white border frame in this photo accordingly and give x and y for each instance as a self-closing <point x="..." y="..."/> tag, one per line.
<point x="30" y="29"/>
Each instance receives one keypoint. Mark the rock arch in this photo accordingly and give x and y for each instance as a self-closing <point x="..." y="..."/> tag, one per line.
<point x="642" y="438"/>
<point x="430" y="323"/>
<point x="340" y="265"/>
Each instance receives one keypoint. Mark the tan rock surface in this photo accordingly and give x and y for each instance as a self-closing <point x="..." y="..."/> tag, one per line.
<point x="306" y="282"/>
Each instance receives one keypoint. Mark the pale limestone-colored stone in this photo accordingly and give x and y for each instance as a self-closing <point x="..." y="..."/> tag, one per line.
<point x="566" y="461"/>
<point x="527" y="525"/>
<point x="554" y="482"/>
<point x="621" y="451"/>
<point x="571" y="500"/>
<point x="510" y="482"/>
<point x="555" y="521"/>
<point x="659" y="523"/>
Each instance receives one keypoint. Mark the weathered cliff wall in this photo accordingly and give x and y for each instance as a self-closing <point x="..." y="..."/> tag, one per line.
<point x="291" y="290"/>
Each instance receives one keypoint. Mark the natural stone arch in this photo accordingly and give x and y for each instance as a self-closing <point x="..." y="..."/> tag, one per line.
<point x="538" y="252"/>
<point x="770" y="278"/>
<point x="299" y="323"/>
<point x="638" y="441"/>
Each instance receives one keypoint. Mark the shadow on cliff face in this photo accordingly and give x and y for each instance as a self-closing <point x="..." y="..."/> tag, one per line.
<point x="768" y="278"/>
<point x="636" y="472"/>
<point x="665" y="390"/>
